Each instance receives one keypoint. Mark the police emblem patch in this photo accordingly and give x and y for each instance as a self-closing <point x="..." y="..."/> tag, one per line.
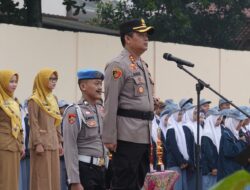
<point x="117" y="73"/>
<point x="72" y="118"/>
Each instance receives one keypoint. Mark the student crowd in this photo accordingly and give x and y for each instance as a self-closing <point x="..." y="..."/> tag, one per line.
<point x="224" y="134"/>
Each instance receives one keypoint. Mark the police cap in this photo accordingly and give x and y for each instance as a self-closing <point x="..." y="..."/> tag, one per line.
<point x="135" y="25"/>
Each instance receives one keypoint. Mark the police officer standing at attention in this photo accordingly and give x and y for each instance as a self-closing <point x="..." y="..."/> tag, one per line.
<point x="82" y="129"/>
<point x="128" y="108"/>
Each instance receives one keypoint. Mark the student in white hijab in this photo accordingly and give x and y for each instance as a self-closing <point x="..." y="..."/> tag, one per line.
<point x="231" y="144"/>
<point x="177" y="155"/>
<point x="210" y="144"/>
<point x="190" y="121"/>
<point x="188" y="109"/>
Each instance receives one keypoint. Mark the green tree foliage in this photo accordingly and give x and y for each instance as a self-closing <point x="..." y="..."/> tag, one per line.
<point x="10" y="13"/>
<point x="31" y="12"/>
<point x="203" y="22"/>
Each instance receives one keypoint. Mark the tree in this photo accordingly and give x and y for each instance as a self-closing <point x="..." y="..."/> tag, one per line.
<point x="10" y="13"/>
<point x="203" y="22"/>
<point x="31" y="12"/>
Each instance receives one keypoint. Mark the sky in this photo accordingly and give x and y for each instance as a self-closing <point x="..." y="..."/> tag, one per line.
<point x="50" y="7"/>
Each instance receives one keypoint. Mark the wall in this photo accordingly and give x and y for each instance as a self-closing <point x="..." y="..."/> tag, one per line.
<point x="27" y="50"/>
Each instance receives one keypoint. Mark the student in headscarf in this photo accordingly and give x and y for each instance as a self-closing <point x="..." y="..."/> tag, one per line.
<point x="205" y="105"/>
<point x="230" y="145"/>
<point x="45" y="133"/>
<point x="11" y="137"/>
<point x="163" y="126"/>
<point x="223" y="104"/>
<point x="186" y="105"/>
<point x="210" y="144"/>
<point x="190" y="120"/>
<point x="177" y="155"/>
<point x="245" y="131"/>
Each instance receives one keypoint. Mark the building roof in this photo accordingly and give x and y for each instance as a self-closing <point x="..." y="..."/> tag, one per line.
<point x="71" y="24"/>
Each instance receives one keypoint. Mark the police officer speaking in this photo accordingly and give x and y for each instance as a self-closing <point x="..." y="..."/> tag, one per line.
<point x="82" y="127"/>
<point x="128" y="108"/>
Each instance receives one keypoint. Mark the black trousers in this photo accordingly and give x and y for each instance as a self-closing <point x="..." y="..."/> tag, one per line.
<point x="130" y="165"/>
<point x="92" y="177"/>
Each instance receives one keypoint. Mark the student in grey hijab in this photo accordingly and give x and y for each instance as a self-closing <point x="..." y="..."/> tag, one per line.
<point x="210" y="144"/>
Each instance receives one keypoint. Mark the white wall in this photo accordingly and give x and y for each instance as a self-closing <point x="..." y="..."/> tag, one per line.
<point x="27" y="50"/>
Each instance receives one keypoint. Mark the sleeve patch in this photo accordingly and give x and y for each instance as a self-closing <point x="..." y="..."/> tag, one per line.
<point x="72" y="118"/>
<point x="117" y="73"/>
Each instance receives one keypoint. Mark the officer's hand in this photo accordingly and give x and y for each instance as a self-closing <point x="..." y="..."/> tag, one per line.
<point x="39" y="149"/>
<point x="111" y="147"/>
<point x="61" y="152"/>
<point x="76" y="186"/>
<point x="22" y="154"/>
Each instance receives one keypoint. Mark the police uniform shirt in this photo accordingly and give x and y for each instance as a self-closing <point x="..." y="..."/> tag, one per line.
<point x="128" y="85"/>
<point x="85" y="141"/>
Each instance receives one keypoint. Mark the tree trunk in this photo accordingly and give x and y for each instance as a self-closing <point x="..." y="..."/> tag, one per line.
<point x="34" y="13"/>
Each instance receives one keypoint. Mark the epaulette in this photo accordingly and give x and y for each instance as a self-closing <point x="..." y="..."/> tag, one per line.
<point x="69" y="106"/>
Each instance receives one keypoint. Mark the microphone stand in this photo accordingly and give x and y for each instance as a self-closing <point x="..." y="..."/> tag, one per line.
<point x="199" y="87"/>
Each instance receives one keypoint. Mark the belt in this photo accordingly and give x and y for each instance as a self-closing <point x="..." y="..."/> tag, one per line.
<point x="91" y="160"/>
<point x="144" y="115"/>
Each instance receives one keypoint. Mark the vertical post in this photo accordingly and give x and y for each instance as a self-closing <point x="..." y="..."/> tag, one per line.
<point x="199" y="88"/>
<point x="34" y="13"/>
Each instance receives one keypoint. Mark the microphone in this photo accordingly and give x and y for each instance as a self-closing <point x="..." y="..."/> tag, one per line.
<point x="169" y="57"/>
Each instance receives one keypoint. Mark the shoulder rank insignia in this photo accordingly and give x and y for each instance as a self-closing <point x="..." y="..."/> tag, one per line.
<point x="117" y="73"/>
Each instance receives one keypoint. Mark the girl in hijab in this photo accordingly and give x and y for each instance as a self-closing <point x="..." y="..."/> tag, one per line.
<point x="210" y="144"/>
<point x="11" y="137"/>
<point x="189" y="123"/>
<point x="230" y="144"/>
<point x="45" y="133"/>
<point x="177" y="155"/>
<point x="163" y="126"/>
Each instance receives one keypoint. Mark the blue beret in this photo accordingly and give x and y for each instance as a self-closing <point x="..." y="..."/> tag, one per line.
<point x="89" y="74"/>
